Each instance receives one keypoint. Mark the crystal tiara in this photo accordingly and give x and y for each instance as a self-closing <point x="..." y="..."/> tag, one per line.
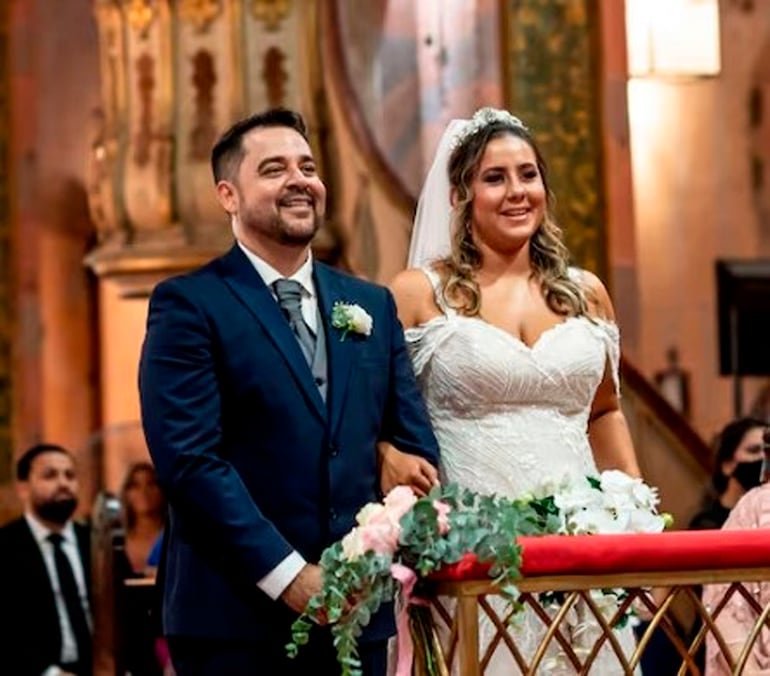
<point x="483" y="117"/>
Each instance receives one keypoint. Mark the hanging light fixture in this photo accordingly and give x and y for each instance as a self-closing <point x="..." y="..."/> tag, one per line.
<point x="673" y="38"/>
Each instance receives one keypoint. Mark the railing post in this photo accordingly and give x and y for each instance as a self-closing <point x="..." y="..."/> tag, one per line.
<point x="468" y="635"/>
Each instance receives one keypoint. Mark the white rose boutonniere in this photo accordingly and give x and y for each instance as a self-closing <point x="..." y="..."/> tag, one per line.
<point x="350" y="317"/>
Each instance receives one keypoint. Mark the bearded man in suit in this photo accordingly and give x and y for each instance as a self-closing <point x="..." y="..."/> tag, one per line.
<point x="263" y="417"/>
<point x="45" y="572"/>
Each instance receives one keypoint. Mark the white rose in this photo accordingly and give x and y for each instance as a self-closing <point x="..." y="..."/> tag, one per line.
<point x="369" y="512"/>
<point x="642" y="521"/>
<point x="360" y="320"/>
<point x="353" y="545"/>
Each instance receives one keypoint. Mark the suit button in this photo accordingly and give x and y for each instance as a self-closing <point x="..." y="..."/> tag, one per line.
<point x="334" y="450"/>
<point x="332" y="515"/>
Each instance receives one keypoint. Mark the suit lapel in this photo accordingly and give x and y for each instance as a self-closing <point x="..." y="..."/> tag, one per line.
<point x="340" y="353"/>
<point x="247" y="285"/>
<point x="43" y="587"/>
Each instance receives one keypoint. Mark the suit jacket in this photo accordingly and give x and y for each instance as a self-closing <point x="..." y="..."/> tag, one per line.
<point x="255" y="464"/>
<point x="31" y="639"/>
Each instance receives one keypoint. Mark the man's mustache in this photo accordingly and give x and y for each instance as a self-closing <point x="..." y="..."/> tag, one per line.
<point x="63" y="494"/>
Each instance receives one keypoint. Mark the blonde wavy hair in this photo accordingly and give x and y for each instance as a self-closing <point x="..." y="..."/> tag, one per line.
<point x="549" y="255"/>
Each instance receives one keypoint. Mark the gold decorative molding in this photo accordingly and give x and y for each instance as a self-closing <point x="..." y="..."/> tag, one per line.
<point x="200" y="13"/>
<point x="270" y="12"/>
<point x="140" y="15"/>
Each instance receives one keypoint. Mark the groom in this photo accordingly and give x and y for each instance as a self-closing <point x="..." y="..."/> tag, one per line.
<point x="263" y="417"/>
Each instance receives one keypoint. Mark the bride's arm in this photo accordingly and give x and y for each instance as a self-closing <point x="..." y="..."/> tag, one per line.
<point x="413" y="295"/>
<point x="608" y="431"/>
<point x="607" y="427"/>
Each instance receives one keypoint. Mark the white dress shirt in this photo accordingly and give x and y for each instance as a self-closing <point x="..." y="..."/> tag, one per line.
<point x="69" y="545"/>
<point x="278" y="579"/>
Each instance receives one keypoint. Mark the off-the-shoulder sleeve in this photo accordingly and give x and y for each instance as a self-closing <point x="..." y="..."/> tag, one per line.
<point x="421" y="343"/>
<point x="610" y="334"/>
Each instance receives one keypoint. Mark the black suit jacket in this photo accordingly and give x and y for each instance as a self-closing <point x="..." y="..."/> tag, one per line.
<point x="31" y="639"/>
<point x="254" y="462"/>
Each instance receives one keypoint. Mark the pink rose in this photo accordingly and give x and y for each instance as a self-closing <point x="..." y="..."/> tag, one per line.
<point x="371" y="512"/>
<point x="399" y="501"/>
<point x="381" y="538"/>
<point x="442" y="516"/>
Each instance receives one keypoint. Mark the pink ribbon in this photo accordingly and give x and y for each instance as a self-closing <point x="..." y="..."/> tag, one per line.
<point x="407" y="578"/>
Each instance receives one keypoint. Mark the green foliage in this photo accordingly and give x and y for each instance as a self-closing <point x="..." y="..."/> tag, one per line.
<point x="354" y="588"/>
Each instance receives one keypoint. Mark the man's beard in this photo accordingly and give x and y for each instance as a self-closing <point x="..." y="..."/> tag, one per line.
<point x="288" y="235"/>
<point x="57" y="511"/>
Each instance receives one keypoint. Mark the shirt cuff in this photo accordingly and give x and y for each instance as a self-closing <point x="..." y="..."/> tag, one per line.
<point x="276" y="581"/>
<point x="53" y="670"/>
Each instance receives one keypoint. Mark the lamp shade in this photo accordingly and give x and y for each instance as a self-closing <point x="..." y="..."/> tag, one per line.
<point x="673" y="38"/>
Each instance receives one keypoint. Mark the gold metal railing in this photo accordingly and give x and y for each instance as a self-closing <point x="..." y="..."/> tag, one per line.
<point x="676" y="595"/>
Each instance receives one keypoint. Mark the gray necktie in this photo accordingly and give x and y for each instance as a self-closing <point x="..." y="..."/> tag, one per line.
<point x="289" y="293"/>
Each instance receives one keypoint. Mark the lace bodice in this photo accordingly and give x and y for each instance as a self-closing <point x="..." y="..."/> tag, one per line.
<point x="509" y="417"/>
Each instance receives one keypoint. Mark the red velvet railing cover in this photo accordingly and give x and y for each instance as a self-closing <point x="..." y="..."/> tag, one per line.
<point x="630" y="553"/>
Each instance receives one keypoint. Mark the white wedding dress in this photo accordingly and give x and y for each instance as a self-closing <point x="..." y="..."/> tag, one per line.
<point x="510" y="418"/>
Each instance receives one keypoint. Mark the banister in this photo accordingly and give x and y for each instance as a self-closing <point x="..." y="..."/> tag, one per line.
<point x="674" y="423"/>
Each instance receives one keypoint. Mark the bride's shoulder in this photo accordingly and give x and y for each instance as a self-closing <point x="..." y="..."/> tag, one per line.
<point x="414" y="294"/>
<point x="596" y="294"/>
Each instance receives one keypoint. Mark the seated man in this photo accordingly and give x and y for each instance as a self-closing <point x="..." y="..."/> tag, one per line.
<point x="45" y="572"/>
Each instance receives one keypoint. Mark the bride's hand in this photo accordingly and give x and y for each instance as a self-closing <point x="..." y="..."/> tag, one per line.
<point x="404" y="469"/>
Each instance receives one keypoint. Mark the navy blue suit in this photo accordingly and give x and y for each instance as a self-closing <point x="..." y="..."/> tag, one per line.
<point x="253" y="461"/>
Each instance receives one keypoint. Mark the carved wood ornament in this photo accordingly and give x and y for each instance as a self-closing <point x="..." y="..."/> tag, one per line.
<point x="275" y="76"/>
<point x="204" y="133"/>
<point x="271" y="12"/>
<point x="200" y="13"/>
<point x="140" y="15"/>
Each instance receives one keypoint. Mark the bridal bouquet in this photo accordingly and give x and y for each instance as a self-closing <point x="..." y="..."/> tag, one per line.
<point x="404" y="539"/>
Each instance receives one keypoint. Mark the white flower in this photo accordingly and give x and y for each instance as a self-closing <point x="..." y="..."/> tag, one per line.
<point x="612" y="503"/>
<point x="353" y="545"/>
<point x="360" y="320"/>
<point x="369" y="512"/>
<point x="351" y="317"/>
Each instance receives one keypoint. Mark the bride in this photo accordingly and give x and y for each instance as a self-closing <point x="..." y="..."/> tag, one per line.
<point x="515" y="352"/>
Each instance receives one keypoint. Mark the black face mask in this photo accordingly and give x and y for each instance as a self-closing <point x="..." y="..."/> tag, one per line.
<point x="748" y="474"/>
<point x="57" y="511"/>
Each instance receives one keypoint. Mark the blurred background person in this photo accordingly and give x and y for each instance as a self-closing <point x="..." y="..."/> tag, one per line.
<point x="45" y="572"/>
<point x="736" y="620"/>
<point x="144" y="513"/>
<point x="144" y="510"/>
<point x="737" y="469"/>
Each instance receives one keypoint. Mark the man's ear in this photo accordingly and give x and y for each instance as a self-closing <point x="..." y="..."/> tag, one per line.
<point x="227" y="196"/>
<point x="22" y="491"/>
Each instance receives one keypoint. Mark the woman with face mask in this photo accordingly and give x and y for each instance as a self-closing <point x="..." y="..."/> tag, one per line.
<point x="737" y="469"/>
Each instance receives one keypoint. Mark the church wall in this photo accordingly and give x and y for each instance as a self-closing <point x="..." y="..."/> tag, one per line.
<point x="54" y="91"/>
<point x="691" y="147"/>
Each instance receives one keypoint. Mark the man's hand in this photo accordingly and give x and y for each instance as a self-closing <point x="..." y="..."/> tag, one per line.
<point x="302" y="588"/>
<point x="398" y="468"/>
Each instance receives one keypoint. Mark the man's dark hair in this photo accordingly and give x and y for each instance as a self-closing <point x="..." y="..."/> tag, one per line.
<point x="227" y="153"/>
<point x="24" y="464"/>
